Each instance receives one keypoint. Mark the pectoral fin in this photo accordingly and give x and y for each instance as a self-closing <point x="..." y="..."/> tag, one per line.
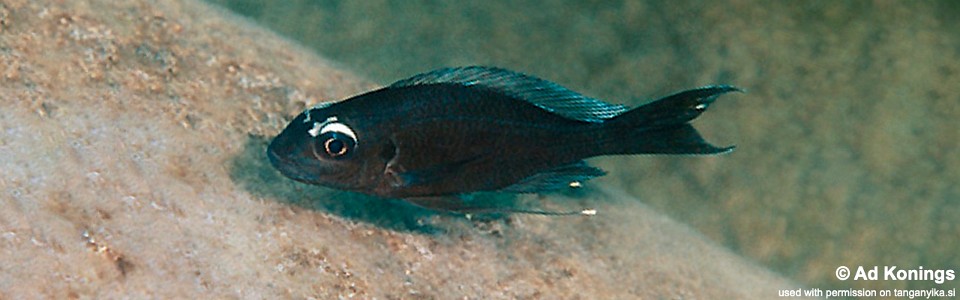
<point x="400" y="176"/>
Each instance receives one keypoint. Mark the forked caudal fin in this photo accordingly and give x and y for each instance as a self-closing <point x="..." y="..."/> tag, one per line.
<point x="662" y="126"/>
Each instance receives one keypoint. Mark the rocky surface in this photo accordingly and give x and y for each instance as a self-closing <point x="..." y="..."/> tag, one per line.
<point x="131" y="148"/>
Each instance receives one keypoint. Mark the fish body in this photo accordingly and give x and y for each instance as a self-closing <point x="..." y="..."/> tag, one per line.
<point x="460" y="130"/>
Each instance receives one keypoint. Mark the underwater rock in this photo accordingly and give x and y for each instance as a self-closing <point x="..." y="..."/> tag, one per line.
<point x="132" y="141"/>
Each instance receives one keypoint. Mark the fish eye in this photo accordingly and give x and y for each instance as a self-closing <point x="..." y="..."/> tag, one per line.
<point x="332" y="139"/>
<point x="334" y="145"/>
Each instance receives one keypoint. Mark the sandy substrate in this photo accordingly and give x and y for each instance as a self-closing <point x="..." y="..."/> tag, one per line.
<point x="132" y="141"/>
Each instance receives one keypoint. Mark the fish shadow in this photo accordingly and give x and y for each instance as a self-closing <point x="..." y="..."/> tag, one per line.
<point x="251" y="170"/>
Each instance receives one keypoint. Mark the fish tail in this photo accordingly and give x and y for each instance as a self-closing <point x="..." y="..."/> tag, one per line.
<point x="662" y="126"/>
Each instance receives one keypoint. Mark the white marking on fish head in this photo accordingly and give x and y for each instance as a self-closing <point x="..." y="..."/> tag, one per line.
<point x="315" y="131"/>
<point x="332" y="124"/>
<point x="339" y="128"/>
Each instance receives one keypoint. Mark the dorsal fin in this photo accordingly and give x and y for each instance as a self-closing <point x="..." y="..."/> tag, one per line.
<point x="544" y="94"/>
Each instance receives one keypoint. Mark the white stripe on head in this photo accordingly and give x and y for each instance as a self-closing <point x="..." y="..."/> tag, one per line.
<point x="331" y="125"/>
<point x="339" y="128"/>
<point x="315" y="131"/>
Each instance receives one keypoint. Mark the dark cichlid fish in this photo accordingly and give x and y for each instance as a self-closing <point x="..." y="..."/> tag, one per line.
<point x="453" y="131"/>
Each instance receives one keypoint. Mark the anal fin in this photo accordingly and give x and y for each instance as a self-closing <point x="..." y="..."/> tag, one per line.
<point x="564" y="176"/>
<point x="456" y="204"/>
<point x="451" y="203"/>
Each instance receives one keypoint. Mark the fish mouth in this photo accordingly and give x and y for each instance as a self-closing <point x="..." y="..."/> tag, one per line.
<point x="275" y="159"/>
<point x="287" y="167"/>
